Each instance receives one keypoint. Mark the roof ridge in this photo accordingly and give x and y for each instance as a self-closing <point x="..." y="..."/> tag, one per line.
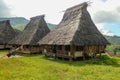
<point x="79" y="6"/>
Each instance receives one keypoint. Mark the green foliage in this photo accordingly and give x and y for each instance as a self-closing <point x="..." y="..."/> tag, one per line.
<point x="51" y="26"/>
<point x="38" y="67"/>
<point x="111" y="49"/>
<point x="3" y="51"/>
<point x="16" y="20"/>
<point x="18" y="23"/>
<point x="17" y="31"/>
<point x="19" y="27"/>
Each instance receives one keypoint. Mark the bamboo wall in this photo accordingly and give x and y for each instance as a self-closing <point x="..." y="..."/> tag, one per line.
<point x="32" y="49"/>
<point x="29" y="49"/>
<point x="5" y="46"/>
<point x="1" y="46"/>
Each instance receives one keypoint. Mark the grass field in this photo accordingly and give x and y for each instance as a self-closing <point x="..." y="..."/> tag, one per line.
<point x="38" y="67"/>
<point x="3" y="51"/>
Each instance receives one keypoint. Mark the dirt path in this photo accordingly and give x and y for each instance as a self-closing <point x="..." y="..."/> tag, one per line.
<point x="112" y="55"/>
<point x="3" y="56"/>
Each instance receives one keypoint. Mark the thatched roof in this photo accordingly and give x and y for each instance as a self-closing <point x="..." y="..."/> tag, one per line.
<point x="76" y="28"/>
<point x="7" y="33"/>
<point x="35" y="30"/>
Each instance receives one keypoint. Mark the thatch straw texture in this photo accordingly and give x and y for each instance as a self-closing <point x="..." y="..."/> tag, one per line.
<point x="7" y="33"/>
<point x="76" y="28"/>
<point x="35" y="30"/>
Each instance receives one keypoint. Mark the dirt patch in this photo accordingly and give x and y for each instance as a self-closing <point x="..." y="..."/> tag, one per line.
<point x="3" y="56"/>
<point x="112" y="55"/>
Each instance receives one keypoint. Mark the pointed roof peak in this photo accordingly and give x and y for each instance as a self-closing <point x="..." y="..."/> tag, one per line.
<point x="34" y="31"/>
<point x="38" y="17"/>
<point x="79" y="6"/>
<point x="6" y="32"/>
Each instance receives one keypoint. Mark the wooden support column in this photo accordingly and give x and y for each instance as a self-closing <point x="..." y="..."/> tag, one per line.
<point x="41" y="48"/>
<point x="100" y="54"/>
<point x="71" y="52"/>
<point x="94" y="52"/>
<point x="5" y="46"/>
<point x="55" y="52"/>
<point x="97" y="51"/>
<point x="52" y="53"/>
<point x="100" y="50"/>
<point x="56" y="56"/>
<point x="84" y="51"/>
<point x="63" y="52"/>
<point x="30" y="50"/>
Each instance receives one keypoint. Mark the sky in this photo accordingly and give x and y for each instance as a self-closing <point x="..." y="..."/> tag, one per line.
<point x="104" y="13"/>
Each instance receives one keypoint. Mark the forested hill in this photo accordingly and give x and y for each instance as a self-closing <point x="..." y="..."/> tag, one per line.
<point x="113" y="39"/>
<point x="16" y="20"/>
<point x="19" y="23"/>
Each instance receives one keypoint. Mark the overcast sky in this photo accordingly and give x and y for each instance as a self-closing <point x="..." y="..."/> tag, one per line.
<point x="105" y="13"/>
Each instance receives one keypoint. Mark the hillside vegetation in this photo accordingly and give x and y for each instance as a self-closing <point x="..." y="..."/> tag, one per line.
<point x="51" y="26"/>
<point x="19" y="23"/>
<point x="113" y="39"/>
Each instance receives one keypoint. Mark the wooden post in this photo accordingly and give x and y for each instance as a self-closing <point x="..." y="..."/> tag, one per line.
<point x="63" y="52"/>
<point x="40" y="49"/>
<point x="5" y="46"/>
<point x="100" y="50"/>
<point x="55" y="47"/>
<point x="71" y="52"/>
<point x="52" y="53"/>
<point x="100" y="54"/>
<point x="94" y="52"/>
<point x="84" y="51"/>
<point x="30" y="50"/>
<point x="94" y="55"/>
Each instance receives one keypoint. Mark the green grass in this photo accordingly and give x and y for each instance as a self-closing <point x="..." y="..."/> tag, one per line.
<point x="38" y="67"/>
<point x="3" y="51"/>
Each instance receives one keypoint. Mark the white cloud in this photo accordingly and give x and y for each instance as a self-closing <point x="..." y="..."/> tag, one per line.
<point x="4" y="10"/>
<point x="53" y="8"/>
<point x="100" y="27"/>
<point x="105" y="13"/>
<point x="106" y="32"/>
<point x="118" y="9"/>
<point x="106" y="17"/>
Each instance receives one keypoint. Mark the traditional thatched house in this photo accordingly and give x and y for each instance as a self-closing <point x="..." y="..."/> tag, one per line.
<point x="75" y="36"/>
<point x="35" y="30"/>
<point x="7" y="33"/>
